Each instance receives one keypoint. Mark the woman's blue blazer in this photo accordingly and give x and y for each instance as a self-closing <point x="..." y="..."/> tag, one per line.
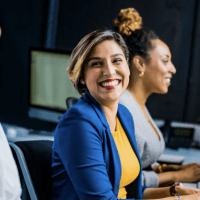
<point x="85" y="160"/>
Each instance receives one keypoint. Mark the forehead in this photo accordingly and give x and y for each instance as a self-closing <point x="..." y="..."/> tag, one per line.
<point x="106" y="48"/>
<point x="161" y="49"/>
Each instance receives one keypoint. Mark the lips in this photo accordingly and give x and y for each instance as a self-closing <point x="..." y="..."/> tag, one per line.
<point x="110" y="84"/>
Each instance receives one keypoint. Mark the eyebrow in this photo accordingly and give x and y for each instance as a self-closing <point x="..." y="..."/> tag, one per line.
<point x="93" y="58"/>
<point x="117" y="54"/>
<point x="98" y="58"/>
<point x="165" y="55"/>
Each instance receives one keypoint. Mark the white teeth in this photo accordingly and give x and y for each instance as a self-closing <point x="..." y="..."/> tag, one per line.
<point x="168" y="80"/>
<point x="112" y="83"/>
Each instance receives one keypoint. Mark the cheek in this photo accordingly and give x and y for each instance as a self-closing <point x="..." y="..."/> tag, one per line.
<point x="126" y="77"/>
<point x="157" y="72"/>
<point x="126" y="71"/>
<point x="162" y="68"/>
<point x="129" y="73"/>
<point x="91" y="78"/>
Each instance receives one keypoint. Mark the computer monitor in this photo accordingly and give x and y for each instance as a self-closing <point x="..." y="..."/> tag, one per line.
<point x="49" y="84"/>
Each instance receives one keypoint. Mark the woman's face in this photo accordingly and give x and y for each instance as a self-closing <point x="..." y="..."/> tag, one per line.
<point x="159" y="69"/>
<point x="106" y="72"/>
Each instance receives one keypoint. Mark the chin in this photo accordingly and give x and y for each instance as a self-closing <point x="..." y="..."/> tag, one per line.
<point x="111" y="97"/>
<point x="162" y="91"/>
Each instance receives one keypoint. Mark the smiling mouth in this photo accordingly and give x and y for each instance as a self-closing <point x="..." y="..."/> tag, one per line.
<point x="110" y="84"/>
<point x="168" y="80"/>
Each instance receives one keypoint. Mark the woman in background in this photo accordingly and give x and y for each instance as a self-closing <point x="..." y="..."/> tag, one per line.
<point x="94" y="154"/>
<point x="151" y="72"/>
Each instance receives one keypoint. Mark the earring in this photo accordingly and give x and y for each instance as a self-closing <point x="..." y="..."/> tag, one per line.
<point x="141" y="74"/>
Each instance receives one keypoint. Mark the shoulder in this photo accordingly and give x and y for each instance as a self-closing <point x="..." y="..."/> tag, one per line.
<point x="81" y="109"/>
<point x="124" y="114"/>
<point x="125" y="97"/>
<point x="122" y="108"/>
<point x="81" y="118"/>
<point x="127" y="100"/>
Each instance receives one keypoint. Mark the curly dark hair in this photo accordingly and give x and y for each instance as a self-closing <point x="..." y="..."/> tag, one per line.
<point x="138" y="39"/>
<point x="140" y="42"/>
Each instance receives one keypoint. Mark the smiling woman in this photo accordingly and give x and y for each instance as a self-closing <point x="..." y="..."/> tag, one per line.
<point x="151" y="72"/>
<point x="94" y="153"/>
<point x="158" y="70"/>
<point x="106" y="72"/>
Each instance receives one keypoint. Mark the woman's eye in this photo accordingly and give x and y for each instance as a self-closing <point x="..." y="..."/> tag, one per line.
<point x="117" y="60"/>
<point x="96" y="64"/>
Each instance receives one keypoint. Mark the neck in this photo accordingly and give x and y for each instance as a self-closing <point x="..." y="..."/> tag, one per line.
<point x="110" y="111"/>
<point x="139" y="91"/>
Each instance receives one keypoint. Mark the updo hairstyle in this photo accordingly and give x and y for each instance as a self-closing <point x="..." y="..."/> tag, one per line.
<point x="82" y="51"/>
<point x="138" y="39"/>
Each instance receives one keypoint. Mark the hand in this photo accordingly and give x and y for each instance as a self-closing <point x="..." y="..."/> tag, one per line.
<point x="190" y="174"/>
<point x="195" y="196"/>
<point x="186" y="191"/>
<point x="190" y="165"/>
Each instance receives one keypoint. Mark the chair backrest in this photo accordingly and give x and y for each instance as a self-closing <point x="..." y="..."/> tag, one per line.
<point x="70" y="101"/>
<point x="35" y="159"/>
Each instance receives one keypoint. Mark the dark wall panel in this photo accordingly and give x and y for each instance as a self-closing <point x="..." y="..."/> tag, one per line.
<point x="78" y="18"/>
<point x="24" y="25"/>
<point x="176" y="23"/>
<point x="192" y="107"/>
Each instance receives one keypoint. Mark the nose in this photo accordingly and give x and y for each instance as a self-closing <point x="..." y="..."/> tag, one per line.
<point x="108" y="69"/>
<point x="173" y="69"/>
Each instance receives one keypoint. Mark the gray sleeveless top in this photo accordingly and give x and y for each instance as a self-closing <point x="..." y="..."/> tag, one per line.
<point x="149" y="146"/>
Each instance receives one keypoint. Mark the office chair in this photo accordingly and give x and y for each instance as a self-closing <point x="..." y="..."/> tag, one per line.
<point x="33" y="158"/>
<point x="70" y="101"/>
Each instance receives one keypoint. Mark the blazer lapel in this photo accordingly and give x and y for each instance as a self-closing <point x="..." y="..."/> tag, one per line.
<point x="115" y="175"/>
<point x="98" y="109"/>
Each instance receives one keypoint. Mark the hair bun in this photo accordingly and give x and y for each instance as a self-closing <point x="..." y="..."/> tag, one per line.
<point x="128" y="20"/>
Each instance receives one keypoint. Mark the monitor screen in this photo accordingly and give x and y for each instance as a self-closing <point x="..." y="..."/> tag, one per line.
<point x="49" y="84"/>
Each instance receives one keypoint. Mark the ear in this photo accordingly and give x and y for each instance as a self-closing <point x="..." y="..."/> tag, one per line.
<point x="82" y="81"/>
<point x="139" y="63"/>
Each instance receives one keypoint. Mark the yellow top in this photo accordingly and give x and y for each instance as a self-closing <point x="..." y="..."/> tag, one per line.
<point x="129" y="161"/>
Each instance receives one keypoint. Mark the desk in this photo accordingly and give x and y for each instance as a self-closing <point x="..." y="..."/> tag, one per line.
<point x="16" y="133"/>
<point x="30" y="137"/>
<point x="190" y="154"/>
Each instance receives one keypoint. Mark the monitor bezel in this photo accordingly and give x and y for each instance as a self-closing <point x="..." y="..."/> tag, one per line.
<point x="54" y="111"/>
<point x="29" y="75"/>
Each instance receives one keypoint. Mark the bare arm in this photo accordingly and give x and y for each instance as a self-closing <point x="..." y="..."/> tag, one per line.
<point x="164" y="192"/>
<point x="167" y="178"/>
<point x="156" y="193"/>
<point x="187" y="174"/>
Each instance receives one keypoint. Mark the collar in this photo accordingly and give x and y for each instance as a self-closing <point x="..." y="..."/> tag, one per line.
<point x="98" y="109"/>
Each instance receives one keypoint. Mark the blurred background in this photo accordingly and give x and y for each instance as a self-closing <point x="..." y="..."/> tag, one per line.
<point x="59" y="25"/>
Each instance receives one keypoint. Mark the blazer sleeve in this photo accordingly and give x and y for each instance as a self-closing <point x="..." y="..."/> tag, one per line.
<point x="79" y="145"/>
